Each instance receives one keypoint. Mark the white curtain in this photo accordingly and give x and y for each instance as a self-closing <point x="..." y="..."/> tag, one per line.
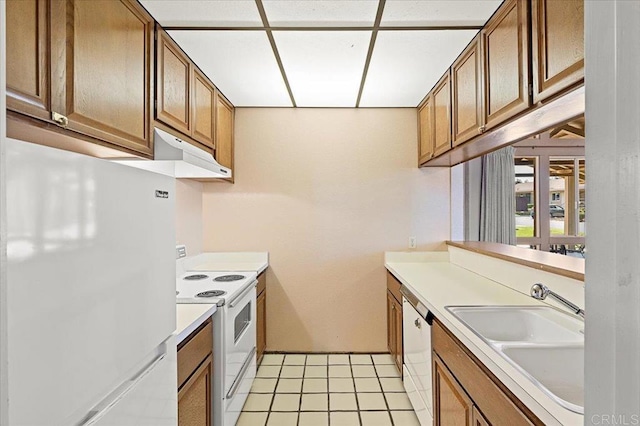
<point x="498" y="197"/>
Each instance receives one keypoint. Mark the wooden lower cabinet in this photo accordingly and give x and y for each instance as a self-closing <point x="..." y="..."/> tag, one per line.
<point x="195" y="371"/>
<point x="261" y="317"/>
<point x="394" y="329"/>
<point x="465" y="392"/>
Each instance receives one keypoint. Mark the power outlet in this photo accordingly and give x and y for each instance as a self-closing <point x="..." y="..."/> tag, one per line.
<point x="412" y="242"/>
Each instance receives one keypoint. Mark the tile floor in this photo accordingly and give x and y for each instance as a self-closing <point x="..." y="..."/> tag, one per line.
<point x="323" y="390"/>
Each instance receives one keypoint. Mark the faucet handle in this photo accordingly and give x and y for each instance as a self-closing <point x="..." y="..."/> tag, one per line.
<point x="539" y="291"/>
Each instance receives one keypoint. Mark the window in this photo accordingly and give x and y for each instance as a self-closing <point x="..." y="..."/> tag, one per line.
<point x="555" y="196"/>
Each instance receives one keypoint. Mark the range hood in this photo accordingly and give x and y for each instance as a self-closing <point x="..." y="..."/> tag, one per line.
<point x="178" y="158"/>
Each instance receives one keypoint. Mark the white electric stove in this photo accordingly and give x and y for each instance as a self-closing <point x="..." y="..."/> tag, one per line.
<point x="234" y="333"/>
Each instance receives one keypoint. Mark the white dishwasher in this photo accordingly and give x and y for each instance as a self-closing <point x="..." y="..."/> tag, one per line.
<point x="416" y="371"/>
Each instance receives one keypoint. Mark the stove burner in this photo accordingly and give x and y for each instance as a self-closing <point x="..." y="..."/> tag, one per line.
<point x="227" y="278"/>
<point x="196" y="277"/>
<point x="211" y="293"/>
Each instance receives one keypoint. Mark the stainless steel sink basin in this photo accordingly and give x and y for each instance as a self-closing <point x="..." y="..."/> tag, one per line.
<point x="546" y="345"/>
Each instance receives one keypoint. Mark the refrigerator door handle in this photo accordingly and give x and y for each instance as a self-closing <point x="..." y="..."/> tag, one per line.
<point x="104" y="406"/>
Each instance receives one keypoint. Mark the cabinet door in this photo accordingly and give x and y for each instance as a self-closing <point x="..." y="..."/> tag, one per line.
<point x="399" y="352"/>
<point x="506" y="62"/>
<point x="261" y="325"/>
<point x="194" y="398"/>
<point x="102" y="70"/>
<point x="224" y="131"/>
<point x="425" y="130"/>
<point x="391" y="325"/>
<point x="28" y="57"/>
<point x="173" y="87"/>
<point x="466" y="94"/>
<point x="202" y="109"/>
<point x="452" y="406"/>
<point x="558" y="46"/>
<point x="442" y="115"/>
<point x="478" y="418"/>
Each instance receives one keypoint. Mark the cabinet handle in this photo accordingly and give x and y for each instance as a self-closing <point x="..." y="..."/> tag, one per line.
<point x="482" y="129"/>
<point x="60" y="119"/>
<point x="417" y="323"/>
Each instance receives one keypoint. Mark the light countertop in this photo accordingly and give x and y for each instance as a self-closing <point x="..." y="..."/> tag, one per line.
<point x="229" y="261"/>
<point x="438" y="283"/>
<point x="190" y="316"/>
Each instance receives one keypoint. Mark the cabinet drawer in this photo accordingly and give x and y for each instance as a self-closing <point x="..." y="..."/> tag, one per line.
<point x="494" y="401"/>
<point x="393" y="285"/>
<point x="197" y="347"/>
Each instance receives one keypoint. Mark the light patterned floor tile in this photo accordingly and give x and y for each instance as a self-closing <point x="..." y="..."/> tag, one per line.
<point x="383" y="359"/>
<point x="289" y="386"/>
<point x="315" y="371"/>
<point x="314" y="419"/>
<point x="292" y="372"/>
<point x="294" y="359"/>
<point x="258" y="402"/>
<point x="314" y="402"/>
<point x="398" y="401"/>
<point x="337" y="384"/>
<point x="363" y="371"/>
<point x="391" y="384"/>
<point x="252" y="419"/>
<point x="371" y="401"/>
<point x="369" y="384"/>
<point x="387" y="371"/>
<point x="314" y="386"/>
<point x="360" y="359"/>
<point x="272" y="359"/>
<point x="268" y="371"/>
<point x="286" y="402"/>
<point x="342" y="402"/>
<point x="339" y="371"/>
<point x="376" y="418"/>
<point x="344" y="419"/>
<point x="283" y="419"/>
<point x="316" y="359"/>
<point x="263" y="385"/>
<point x="405" y="418"/>
<point x="338" y="359"/>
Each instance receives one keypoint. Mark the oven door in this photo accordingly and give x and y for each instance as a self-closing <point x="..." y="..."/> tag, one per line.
<point x="240" y="338"/>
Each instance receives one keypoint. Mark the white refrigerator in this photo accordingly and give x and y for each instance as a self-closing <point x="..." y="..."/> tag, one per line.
<point x="91" y="291"/>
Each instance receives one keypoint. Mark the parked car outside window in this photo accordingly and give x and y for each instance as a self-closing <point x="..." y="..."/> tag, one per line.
<point x="554" y="211"/>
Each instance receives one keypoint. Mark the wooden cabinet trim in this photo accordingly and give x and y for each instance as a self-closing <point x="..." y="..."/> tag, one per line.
<point x="195" y="348"/>
<point x="186" y="414"/>
<point x="443" y="377"/>
<point x="393" y="285"/>
<point x="262" y="283"/>
<point x="523" y="101"/>
<point x="425" y="130"/>
<point x="205" y="137"/>
<point x="477" y="418"/>
<point x="442" y="89"/>
<point x="473" y="52"/>
<point x="224" y="152"/>
<point x="545" y="85"/>
<point x="261" y="325"/>
<point x="491" y="396"/>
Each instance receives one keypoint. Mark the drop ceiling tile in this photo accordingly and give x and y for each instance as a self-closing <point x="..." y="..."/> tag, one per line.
<point x="204" y="13"/>
<point x="240" y="63"/>
<point x="406" y="64"/>
<point x="339" y="13"/>
<point x="437" y="12"/>
<point x="324" y="68"/>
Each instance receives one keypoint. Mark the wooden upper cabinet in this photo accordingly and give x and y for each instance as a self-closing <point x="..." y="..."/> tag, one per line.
<point x="203" y="109"/>
<point x="558" y="46"/>
<point x="224" y="131"/>
<point x="442" y="115"/>
<point x="452" y="405"/>
<point x="466" y="94"/>
<point x="173" y="84"/>
<point x="425" y="130"/>
<point x="102" y="59"/>
<point x="28" y="57"/>
<point x="505" y="42"/>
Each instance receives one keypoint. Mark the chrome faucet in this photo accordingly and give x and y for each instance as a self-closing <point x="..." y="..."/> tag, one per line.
<point x="540" y="291"/>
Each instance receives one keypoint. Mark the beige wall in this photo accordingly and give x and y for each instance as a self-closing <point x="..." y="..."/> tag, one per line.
<point x="326" y="192"/>
<point x="189" y="215"/>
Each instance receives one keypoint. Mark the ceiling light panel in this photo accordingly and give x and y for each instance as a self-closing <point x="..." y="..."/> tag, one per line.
<point x="405" y="65"/>
<point x="204" y="13"/>
<point x="438" y="12"/>
<point x="324" y="68"/>
<point x="240" y="63"/>
<point x="338" y="13"/>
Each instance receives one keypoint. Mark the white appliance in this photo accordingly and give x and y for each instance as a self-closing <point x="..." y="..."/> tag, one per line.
<point x="234" y="334"/>
<point x="91" y="291"/>
<point x="416" y="371"/>
<point x="174" y="157"/>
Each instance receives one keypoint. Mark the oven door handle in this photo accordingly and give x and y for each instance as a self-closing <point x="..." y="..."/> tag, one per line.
<point x="240" y="376"/>
<point x="251" y="286"/>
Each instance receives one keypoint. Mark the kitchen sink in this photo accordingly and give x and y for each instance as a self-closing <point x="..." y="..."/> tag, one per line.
<point x="546" y="345"/>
